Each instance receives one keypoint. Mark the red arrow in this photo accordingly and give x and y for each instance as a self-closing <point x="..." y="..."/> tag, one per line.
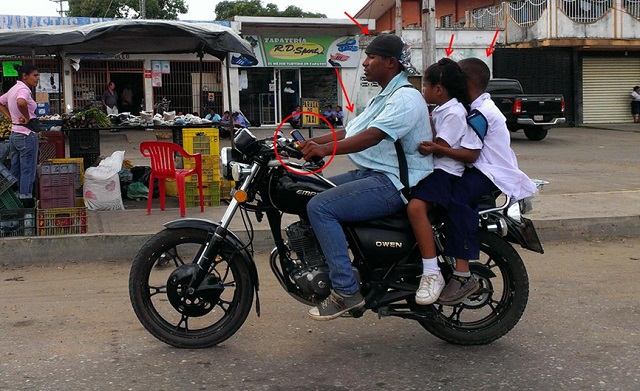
<point x="490" y="49"/>
<point x="449" y="50"/>
<point x="365" y="30"/>
<point x="349" y="105"/>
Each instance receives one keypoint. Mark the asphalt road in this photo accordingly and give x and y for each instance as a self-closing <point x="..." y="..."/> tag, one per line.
<point x="71" y="327"/>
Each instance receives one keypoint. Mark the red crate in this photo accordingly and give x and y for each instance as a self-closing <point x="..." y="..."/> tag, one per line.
<point x="51" y="146"/>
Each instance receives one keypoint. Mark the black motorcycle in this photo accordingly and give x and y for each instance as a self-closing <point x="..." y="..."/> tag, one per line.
<point x="192" y="285"/>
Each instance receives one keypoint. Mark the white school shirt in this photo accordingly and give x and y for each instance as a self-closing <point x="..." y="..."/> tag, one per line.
<point x="450" y="123"/>
<point x="497" y="160"/>
<point x="635" y="96"/>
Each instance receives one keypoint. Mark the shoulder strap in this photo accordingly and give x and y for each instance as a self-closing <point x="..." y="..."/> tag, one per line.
<point x="402" y="159"/>
<point x="478" y="122"/>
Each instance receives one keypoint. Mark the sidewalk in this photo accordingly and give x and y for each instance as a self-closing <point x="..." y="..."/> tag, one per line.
<point x="591" y="213"/>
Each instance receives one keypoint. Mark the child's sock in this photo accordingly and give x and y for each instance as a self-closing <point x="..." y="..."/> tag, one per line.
<point x="430" y="266"/>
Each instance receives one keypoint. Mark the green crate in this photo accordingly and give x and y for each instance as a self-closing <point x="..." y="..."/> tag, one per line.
<point x="211" y="194"/>
<point x="9" y="201"/>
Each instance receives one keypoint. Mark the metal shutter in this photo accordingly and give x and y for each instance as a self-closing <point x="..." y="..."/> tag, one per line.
<point x="606" y="86"/>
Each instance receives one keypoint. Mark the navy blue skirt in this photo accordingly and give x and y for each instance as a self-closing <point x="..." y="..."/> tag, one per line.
<point x="435" y="188"/>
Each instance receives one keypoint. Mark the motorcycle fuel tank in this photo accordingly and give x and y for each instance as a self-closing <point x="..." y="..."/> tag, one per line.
<point x="290" y="193"/>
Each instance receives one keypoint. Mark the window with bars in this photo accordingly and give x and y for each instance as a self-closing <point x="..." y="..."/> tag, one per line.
<point x="182" y="87"/>
<point x="446" y="21"/>
<point x="90" y="81"/>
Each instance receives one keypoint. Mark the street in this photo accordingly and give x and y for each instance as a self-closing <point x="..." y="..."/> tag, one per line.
<point x="71" y="327"/>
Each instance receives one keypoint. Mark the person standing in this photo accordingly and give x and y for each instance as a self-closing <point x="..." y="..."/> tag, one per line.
<point x="110" y="99"/>
<point x="127" y="99"/>
<point x="18" y="105"/>
<point x="635" y="104"/>
<point x="373" y="190"/>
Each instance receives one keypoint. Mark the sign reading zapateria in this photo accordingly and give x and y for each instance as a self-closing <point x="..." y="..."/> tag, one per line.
<point x="302" y="51"/>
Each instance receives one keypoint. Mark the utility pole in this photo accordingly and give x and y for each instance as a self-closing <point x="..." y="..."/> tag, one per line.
<point x="143" y="10"/>
<point x="428" y="34"/>
<point x="399" y="18"/>
<point x="61" y="11"/>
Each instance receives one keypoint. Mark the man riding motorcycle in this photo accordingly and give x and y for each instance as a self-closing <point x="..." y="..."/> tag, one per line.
<point x="374" y="189"/>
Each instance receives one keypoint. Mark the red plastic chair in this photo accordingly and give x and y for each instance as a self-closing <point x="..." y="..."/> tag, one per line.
<point x="162" y="167"/>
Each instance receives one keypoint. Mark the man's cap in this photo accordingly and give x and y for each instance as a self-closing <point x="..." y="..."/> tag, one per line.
<point x="389" y="45"/>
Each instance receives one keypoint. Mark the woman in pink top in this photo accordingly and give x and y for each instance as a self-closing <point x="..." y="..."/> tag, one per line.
<point x="18" y="104"/>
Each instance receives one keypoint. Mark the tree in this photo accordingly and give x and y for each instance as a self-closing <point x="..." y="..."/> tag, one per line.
<point x="226" y="10"/>
<point x="155" y="9"/>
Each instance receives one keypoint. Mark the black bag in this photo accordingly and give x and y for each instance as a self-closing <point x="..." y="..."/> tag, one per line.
<point x="33" y="125"/>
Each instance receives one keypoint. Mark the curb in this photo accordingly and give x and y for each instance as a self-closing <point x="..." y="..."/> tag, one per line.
<point x="45" y="250"/>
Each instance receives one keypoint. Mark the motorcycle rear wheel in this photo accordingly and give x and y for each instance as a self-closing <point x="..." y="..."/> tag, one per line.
<point x="496" y="308"/>
<point x="205" y="326"/>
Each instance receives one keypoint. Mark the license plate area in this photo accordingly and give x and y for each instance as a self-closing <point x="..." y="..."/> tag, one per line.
<point x="538" y="117"/>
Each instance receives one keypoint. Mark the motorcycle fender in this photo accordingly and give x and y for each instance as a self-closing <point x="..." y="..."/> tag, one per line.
<point x="524" y="234"/>
<point x="231" y="238"/>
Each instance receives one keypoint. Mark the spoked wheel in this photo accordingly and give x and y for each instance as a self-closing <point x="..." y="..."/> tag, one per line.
<point x="496" y="308"/>
<point x="158" y="282"/>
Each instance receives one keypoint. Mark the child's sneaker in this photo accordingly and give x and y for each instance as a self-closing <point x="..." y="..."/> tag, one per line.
<point x="430" y="287"/>
<point x="458" y="289"/>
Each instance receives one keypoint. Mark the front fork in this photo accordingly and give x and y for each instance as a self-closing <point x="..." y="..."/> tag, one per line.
<point x="216" y="238"/>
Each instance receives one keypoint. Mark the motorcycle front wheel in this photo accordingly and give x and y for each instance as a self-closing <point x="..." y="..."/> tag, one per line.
<point x="189" y="323"/>
<point x="496" y="308"/>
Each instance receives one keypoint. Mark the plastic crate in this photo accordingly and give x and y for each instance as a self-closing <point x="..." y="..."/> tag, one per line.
<point x="63" y="221"/>
<point x="88" y="158"/>
<point x="204" y="141"/>
<point x="10" y="201"/>
<point x="225" y="189"/>
<point x="18" y="222"/>
<point x="6" y="179"/>
<point x="57" y="196"/>
<point x="210" y="193"/>
<point x="210" y="169"/>
<point x="51" y="146"/>
<point x="84" y="141"/>
<point x="79" y="179"/>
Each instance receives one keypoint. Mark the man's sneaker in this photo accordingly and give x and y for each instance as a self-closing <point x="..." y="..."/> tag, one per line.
<point x="430" y="287"/>
<point x="335" y="305"/>
<point x="458" y="289"/>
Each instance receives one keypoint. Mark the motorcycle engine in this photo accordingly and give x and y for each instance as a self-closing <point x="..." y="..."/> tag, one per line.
<point x="312" y="272"/>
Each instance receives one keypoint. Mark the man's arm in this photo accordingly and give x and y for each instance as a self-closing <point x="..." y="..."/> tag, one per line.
<point x="357" y="143"/>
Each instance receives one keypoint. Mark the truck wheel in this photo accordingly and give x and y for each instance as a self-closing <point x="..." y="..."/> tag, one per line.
<point x="536" y="133"/>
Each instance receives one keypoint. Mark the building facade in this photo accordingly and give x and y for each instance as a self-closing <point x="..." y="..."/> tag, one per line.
<point x="588" y="50"/>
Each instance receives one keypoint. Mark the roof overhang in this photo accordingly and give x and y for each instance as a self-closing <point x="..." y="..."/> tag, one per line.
<point x="298" y="26"/>
<point x="374" y="9"/>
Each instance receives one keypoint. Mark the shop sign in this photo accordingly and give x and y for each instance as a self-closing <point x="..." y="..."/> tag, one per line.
<point x="283" y="51"/>
<point x="148" y="74"/>
<point x="312" y="106"/>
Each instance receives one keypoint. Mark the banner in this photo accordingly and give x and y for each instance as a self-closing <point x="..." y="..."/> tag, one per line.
<point x="296" y="52"/>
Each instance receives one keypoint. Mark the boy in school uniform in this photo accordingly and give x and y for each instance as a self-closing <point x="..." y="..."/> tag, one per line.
<point x="496" y="168"/>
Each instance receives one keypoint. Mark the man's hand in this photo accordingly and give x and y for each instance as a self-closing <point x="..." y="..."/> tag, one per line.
<point x="311" y="149"/>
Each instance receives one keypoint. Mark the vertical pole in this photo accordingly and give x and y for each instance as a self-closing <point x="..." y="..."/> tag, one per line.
<point x="428" y="34"/>
<point x="143" y="9"/>
<point x="399" y="18"/>
<point x="231" y="126"/>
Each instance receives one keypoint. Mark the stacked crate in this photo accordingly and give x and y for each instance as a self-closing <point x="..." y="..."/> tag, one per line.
<point x="51" y="145"/>
<point x="16" y="219"/>
<point x="206" y="142"/>
<point x="85" y="144"/>
<point x="59" y="211"/>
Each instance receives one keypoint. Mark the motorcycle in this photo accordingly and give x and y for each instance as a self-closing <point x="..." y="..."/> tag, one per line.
<point x="193" y="284"/>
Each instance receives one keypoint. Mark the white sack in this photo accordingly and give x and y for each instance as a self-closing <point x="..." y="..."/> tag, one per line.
<point x="102" y="184"/>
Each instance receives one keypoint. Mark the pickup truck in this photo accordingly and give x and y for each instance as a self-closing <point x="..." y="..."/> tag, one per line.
<point x="534" y="114"/>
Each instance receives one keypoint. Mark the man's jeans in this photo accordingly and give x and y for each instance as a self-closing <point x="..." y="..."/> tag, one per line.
<point x="24" y="158"/>
<point x="359" y="196"/>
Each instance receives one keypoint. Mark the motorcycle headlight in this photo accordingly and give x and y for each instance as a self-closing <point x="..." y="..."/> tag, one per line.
<point x="239" y="170"/>
<point x="227" y="156"/>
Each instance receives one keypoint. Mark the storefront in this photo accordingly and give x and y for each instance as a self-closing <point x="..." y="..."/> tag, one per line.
<point x="296" y="64"/>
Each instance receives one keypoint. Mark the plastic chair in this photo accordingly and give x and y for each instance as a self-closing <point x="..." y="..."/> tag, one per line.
<point x="162" y="167"/>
